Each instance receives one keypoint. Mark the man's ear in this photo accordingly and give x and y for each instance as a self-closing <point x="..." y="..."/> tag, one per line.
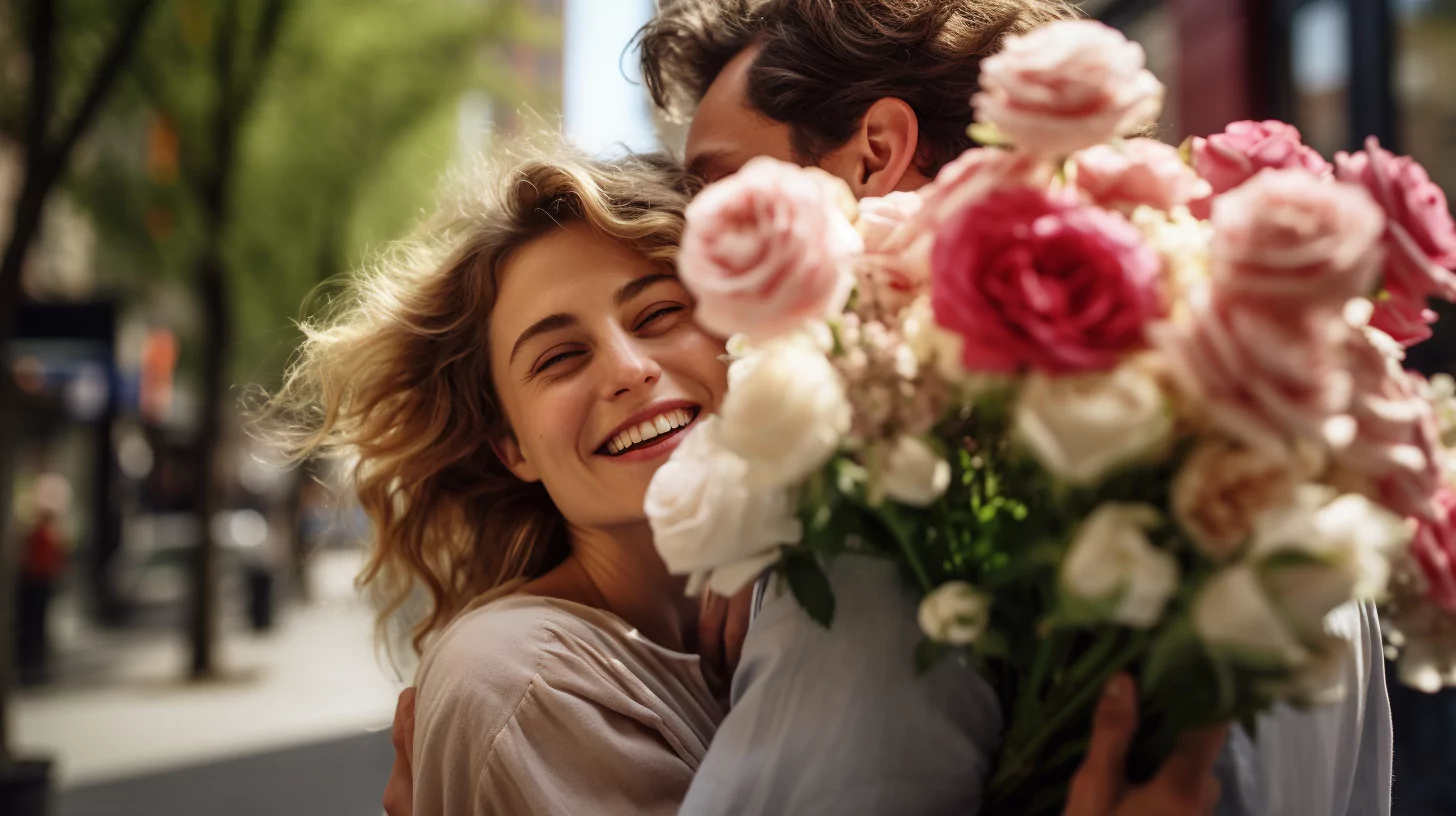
<point x="509" y="452"/>
<point x="880" y="157"/>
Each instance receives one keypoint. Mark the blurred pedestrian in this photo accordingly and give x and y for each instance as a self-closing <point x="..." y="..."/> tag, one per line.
<point x="43" y="562"/>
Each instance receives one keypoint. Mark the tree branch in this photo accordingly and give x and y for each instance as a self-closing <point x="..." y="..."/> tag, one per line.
<point x="42" y="80"/>
<point x="102" y="80"/>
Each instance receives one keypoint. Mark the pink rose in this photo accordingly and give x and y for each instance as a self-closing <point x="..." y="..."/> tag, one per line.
<point x="1136" y="172"/>
<point x="1288" y="239"/>
<point x="1408" y="322"/>
<point x="1396" y="457"/>
<point x="1420" y="237"/>
<point x="890" y="276"/>
<point x="1228" y="159"/>
<point x="1266" y="379"/>
<point x="1032" y="281"/>
<point x="767" y="248"/>
<point x="977" y="173"/>
<point x="1066" y="86"/>
<point x="1434" y="551"/>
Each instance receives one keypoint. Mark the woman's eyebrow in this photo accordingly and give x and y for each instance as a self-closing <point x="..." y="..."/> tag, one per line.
<point x="639" y="286"/>
<point x="550" y="323"/>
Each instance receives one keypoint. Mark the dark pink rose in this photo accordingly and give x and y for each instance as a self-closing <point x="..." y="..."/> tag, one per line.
<point x="1228" y="159"/>
<point x="1396" y="457"/>
<point x="1265" y="378"/>
<point x="1420" y="237"/>
<point x="1289" y="239"/>
<point x="1434" y="550"/>
<point x="1407" y="321"/>
<point x="1029" y="280"/>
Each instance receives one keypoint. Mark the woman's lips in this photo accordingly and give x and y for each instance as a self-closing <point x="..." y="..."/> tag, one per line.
<point x="659" y="446"/>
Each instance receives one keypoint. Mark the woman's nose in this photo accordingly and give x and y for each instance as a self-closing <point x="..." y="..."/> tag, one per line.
<point x="631" y="367"/>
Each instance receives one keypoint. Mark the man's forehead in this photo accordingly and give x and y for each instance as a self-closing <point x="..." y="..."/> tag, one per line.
<point x="726" y="131"/>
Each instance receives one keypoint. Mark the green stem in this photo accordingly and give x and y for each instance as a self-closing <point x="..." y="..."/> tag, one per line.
<point x="1081" y="696"/>
<point x="892" y="522"/>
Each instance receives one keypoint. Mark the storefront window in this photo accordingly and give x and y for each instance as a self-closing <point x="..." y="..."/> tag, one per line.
<point x="1319" y="61"/>
<point x="1157" y="32"/>
<point x="1425" y="68"/>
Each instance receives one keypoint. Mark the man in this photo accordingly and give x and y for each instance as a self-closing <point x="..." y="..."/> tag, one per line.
<point x="836" y="721"/>
<point x="878" y="93"/>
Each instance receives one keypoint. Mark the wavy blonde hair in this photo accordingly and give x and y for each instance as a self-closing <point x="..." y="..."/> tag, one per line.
<point x="396" y="380"/>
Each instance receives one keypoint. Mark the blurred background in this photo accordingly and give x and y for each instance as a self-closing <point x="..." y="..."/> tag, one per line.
<point x="179" y="178"/>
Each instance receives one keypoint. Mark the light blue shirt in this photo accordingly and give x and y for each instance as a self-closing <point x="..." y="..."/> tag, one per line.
<point x="837" y="722"/>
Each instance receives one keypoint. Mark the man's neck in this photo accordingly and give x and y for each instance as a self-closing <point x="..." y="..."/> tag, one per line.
<point x="619" y="571"/>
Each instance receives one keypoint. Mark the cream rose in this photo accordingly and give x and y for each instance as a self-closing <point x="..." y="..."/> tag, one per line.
<point x="706" y="520"/>
<point x="1080" y="427"/>
<point x="1111" y="559"/>
<point x="1232" y="614"/>
<point x="1067" y="86"/>
<point x="1222" y="487"/>
<point x="785" y="415"/>
<point x="891" y="275"/>
<point x="912" y="473"/>
<point x="768" y="249"/>
<point x="955" y="613"/>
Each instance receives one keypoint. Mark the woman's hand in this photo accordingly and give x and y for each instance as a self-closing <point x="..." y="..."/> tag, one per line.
<point x="399" y="793"/>
<point x="1184" y="785"/>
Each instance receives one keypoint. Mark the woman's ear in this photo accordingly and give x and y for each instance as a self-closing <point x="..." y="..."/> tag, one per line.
<point x="509" y="452"/>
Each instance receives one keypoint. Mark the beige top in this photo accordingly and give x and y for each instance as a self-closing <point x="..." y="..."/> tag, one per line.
<point x="533" y="705"/>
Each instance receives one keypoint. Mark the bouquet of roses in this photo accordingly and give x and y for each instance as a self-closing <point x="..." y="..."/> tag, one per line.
<point x="1113" y="405"/>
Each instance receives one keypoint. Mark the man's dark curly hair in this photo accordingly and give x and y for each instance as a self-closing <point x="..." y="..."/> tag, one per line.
<point x="823" y="63"/>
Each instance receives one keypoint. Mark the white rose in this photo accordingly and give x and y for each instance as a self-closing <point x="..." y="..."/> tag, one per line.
<point x="1232" y="613"/>
<point x="708" y="522"/>
<point x="1111" y="557"/>
<point x="785" y="415"/>
<point x="1080" y="427"/>
<point x="1345" y="544"/>
<point x="955" y="613"/>
<point x="912" y="473"/>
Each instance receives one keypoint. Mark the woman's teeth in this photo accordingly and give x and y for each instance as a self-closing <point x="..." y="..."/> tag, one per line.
<point x="657" y="426"/>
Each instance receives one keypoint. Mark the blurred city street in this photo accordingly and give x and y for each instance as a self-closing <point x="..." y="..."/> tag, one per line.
<point x="297" y="724"/>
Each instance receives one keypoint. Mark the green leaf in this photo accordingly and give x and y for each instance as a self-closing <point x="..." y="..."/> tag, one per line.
<point x="809" y="584"/>
<point x="987" y="135"/>
<point x="929" y="653"/>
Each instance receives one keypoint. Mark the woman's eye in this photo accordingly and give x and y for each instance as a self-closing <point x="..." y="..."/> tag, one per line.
<point x="658" y="314"/>
<point x="559" y="358"/>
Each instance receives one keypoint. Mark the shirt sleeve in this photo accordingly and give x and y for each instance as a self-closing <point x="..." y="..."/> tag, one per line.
<point x="573" y="743"/>
<point x="838" y="721"/>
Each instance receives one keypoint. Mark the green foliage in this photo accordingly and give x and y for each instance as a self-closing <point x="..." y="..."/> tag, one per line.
<point x="806" y="579"/>
<point x="352" y="122"/>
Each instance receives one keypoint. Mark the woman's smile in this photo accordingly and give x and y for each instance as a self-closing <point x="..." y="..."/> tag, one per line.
<point x="650" y="433"/>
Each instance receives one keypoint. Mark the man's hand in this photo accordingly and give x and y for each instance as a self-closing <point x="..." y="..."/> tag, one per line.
<point x="1184" y="785"/>
<point x="722" y="626"/>
<point x="399" y="794"/>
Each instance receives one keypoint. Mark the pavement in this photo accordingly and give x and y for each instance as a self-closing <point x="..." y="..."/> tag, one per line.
<point x="297" y="724"/>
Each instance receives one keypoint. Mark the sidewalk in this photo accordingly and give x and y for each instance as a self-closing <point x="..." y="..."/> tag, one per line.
<point x="120" y="711"/>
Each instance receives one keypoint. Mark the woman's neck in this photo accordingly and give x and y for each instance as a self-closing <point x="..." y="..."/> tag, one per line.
<point x="619" y="571"/>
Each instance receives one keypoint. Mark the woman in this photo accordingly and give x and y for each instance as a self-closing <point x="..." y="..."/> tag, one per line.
<point x="508" y="389"/>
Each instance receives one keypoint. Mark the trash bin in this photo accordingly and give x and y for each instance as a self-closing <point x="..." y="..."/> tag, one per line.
<point x="260" y="597"/>
<point x="25" y="788"/>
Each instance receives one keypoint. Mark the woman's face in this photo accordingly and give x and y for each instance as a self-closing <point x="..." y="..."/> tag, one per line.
<point x="601" y="371"/>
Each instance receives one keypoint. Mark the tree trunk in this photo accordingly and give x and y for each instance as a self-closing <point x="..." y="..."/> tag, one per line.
<point x="202" y="625"/>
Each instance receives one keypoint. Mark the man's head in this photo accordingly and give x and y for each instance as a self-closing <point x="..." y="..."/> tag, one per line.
<point x="875" y="91"/>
